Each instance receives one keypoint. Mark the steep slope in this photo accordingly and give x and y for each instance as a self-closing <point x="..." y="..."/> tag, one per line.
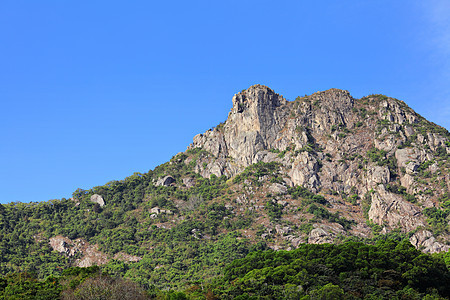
<point x="276" y="174"/>
<point x="374" y="151"/>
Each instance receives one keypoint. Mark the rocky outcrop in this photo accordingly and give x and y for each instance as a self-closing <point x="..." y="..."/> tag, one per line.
<point x="87" y="255"/>
<point x="324" y="233"/>
<point x="391" y="209"/>
<point x="304" y="171"/>
<point x="323" y="142"/>
<point x="377" y="175"/>
<point x="189" y="182"/>
<point x="277" y="188"/>
<point x="92" y="256"/>
<point x="283" y="230"/>
<point x="261" y="120"/>
<point x="165" y="181"/>
<point x="320" y="236"/>
<point x="213" y="141"/>
<point x="63" y="245"/>
<point x="257" y="117"/>
<point x="425" y="241"/>
<point x="98" y="199"/>
<point x="254" y="122"/>
<point x="157" y="210"/>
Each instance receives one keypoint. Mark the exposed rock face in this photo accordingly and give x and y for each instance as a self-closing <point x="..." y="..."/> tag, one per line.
<point x="277" y="188"/>
<point x="262" y="120"/>
<point x="283" y="230"/>
<point x="165" y="181"/>
<point x="189" y="182"/>
<point x="324" y="234"/>
<point x="304" y="171"/>
<point x="157" y="210"/>
<point x="254" y="122"/>
<point x="408" y="159"/>
<point x="319" y="236"/>
<point x="394" y="210"/>
<point x="332" y="143"/>
<point x="424" y="240"/>
<point x="376" y="175"/>
<point x="98" y="199"/>
<point x="63" y="245"/>
<point x="90" y="255"/>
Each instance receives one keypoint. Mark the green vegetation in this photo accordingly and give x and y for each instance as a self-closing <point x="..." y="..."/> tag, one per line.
<point x="74" y="283"/>
<point x="322" y="213"/>
<point x="437" y="219"/>
<point x="307" y="196"/>
<point x="340" y="127"/>
<point x="366" y="202"/>
<point x="274" y="210"/>
<point x="425" y="127"/>
<point x="382" y="158"/>
<point x="171" y="255"/>
<point x="379" y="97"/>
<point x="204" y="248"/>
<point x="281" y="154"/>
<point x="387" y="270"/>
<point x="401" y="190"/>
<point x="256" y="171"/>
<point x="422" y="170"/>
<point x="378" y="156"/>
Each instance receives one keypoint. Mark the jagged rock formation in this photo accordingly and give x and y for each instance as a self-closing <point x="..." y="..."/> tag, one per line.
<point x="324" y="168"/>
<point x="86" y="254"/>
<point x="375" y="149"/>
<point x="166" y="181"/>
<point x="424" y="240"/>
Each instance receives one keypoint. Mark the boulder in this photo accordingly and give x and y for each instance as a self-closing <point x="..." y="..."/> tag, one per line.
<point x="320" y="236"/>
<point x="425" y="241"/>
<point x="189" y="182"/>
<point x="165" y="181"/>
<point x="282" y="230"/>
<point x="96" y="198"/>
<point x="277" y="188"/>
<point x="156" y="210"/>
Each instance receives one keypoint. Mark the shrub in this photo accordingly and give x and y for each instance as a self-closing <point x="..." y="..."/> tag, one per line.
<point x="105" y="287"/>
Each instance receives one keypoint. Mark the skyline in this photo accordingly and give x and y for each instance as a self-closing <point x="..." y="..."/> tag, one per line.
<point x="95" y="92"/>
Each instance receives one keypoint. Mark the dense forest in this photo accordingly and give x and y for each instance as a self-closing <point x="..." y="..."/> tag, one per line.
<point x="387" y="270"/>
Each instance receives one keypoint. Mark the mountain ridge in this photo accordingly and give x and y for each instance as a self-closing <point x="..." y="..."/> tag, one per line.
<point x="324" y="168"/>
<point x="334" y="134"/>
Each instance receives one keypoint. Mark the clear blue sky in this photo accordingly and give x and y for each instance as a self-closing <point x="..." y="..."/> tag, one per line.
<point x="92" y="91"/>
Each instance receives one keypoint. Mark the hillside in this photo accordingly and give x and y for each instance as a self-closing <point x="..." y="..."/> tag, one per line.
<point x="325" y="168"/>
<point x="372" y="158"/>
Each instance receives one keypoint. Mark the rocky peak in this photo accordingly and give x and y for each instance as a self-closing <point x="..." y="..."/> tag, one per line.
<point x="335" y="99"/>
<point x="262" y="120"/>
<point x="256" y="98"/>
<point x="376" y="149"/>
<point x="254" y="122"/>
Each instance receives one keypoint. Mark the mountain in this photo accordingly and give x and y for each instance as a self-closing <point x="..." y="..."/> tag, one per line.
<point x="373" y="159"/>
<point x="324" y="168"/>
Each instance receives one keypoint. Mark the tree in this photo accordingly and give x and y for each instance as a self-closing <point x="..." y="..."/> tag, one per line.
<point x="328" y="292"/>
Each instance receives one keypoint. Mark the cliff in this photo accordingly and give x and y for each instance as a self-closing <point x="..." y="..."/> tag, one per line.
<point x="376" y="151"/>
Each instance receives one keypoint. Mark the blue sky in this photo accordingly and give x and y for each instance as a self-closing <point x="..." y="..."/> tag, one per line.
<point x="92" y="91"/>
